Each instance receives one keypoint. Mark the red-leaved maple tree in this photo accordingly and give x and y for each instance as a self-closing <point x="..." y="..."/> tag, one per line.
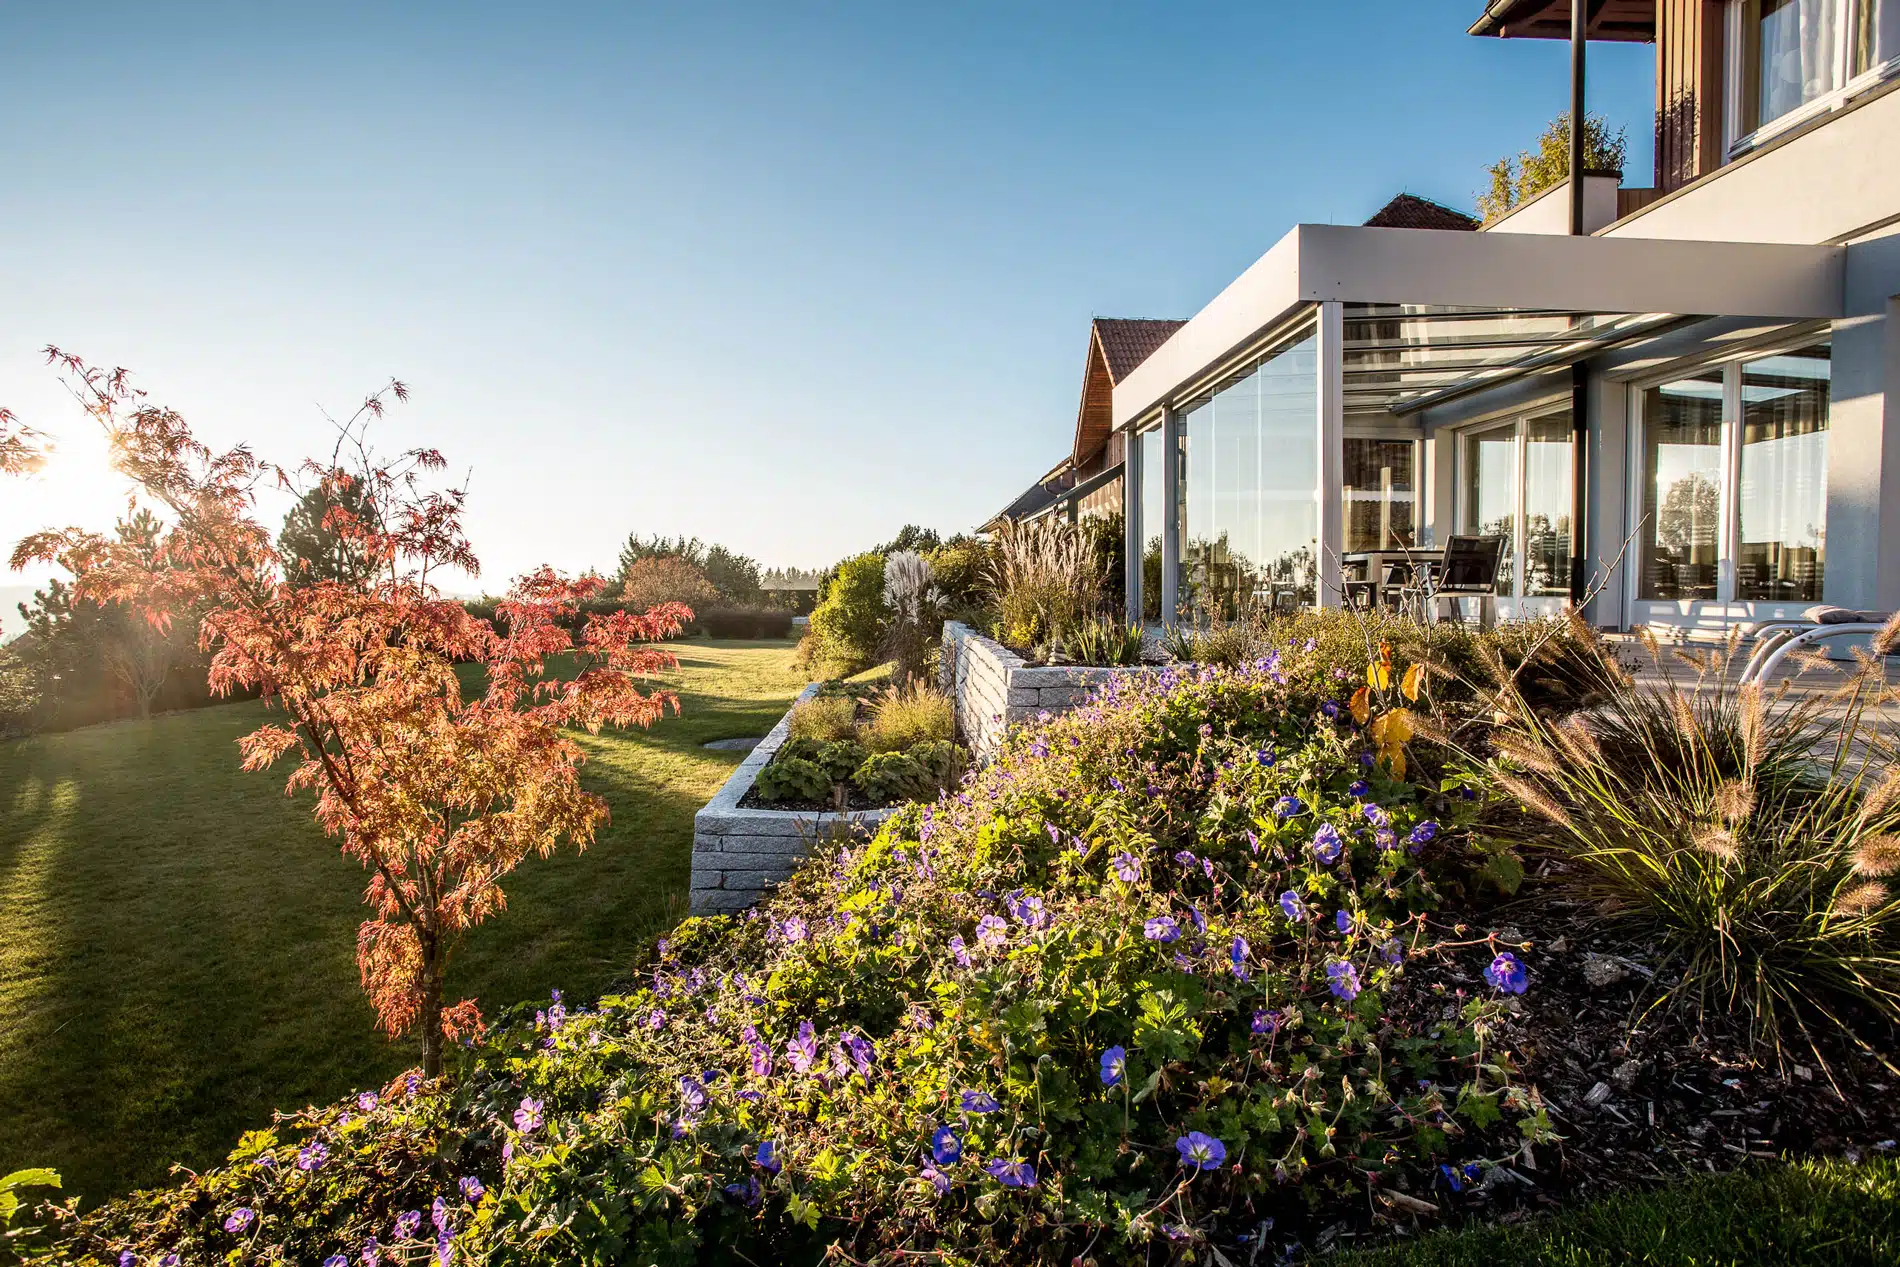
<point x="437" y="788"/>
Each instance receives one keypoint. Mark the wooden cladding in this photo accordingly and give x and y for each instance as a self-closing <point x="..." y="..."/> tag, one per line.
<point x="1689" y="95"/>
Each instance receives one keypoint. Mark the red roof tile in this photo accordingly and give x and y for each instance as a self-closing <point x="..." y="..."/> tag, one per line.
<point x="1127" y="342"/>
<point x="1409" y="211"/>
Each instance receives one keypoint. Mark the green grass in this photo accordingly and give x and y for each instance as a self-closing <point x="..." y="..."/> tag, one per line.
<point x="1813" y="1214"/>
<point x="177" y="938"/>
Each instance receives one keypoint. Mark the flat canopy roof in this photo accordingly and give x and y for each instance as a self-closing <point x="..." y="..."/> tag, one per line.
<point x="1626" y="20"/>
<point x="1433" y="313"/>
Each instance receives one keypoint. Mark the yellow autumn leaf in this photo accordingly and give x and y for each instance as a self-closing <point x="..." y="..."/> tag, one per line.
<point x="1361" y="705"/>
<point x="1395" y="762"/>
<point x="1398" y="727"/>
<point x="1413" y="682"/>
<point x="1378" y="676"/>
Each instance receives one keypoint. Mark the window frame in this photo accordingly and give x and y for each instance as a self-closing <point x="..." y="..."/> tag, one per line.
<point x="1729" y="522"/>
<point x="1517" y="422"/>
<point x="1738" y="138"/>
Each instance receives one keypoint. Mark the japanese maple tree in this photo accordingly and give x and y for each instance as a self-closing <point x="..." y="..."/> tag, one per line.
<point x="439" y="791"/>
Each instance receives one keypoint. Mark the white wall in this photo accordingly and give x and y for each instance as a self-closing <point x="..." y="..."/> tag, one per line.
<point x="1549" y="212"/>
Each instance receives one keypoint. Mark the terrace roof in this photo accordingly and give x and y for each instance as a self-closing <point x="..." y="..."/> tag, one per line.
<point x="1632" y="21"/>
<point x="1430" y="314"/>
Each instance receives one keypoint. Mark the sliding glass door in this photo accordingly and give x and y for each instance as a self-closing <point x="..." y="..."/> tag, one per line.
<point x="1517" y="481"/>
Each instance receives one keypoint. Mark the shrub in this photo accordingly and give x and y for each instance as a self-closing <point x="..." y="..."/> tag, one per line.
<point x="1104" y="642"/>
<point x="824" y="718"/>
<point x="1048" y="581"/>
<point x="904" y="716"/>
<point x="659" y="579"/>
<point x="745" y="622"/>
<point x="1159" y="974"/>
<point x="961" y="569"/>
<point x="915" y="775"/>
<point x="847" y="626"/>
<point x="1748" y="837"/>
<point x="792" y="778"/>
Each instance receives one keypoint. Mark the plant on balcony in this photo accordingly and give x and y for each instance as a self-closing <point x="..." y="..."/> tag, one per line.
<point x="1515" y="181"/>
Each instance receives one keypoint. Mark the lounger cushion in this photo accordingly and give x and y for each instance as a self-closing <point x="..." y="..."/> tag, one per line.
<point x="1825" y="615"/>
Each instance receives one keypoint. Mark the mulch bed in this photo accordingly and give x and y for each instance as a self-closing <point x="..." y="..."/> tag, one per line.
<point x="1639" y="1096"/>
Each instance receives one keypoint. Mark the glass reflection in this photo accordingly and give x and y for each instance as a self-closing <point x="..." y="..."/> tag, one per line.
<point x="1682" y="481"/>
<point x="1783" y="498"/>
<point x="1549" y="452"/>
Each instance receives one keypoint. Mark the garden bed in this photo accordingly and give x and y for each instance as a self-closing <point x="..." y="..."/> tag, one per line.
<point x="739" y="852"/>
<point x="996" y="688"/>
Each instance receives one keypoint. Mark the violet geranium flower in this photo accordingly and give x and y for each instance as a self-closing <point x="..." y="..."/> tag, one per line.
<point x="1200" y="1152"/>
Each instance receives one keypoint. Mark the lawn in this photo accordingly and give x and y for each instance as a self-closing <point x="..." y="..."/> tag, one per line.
<point x="176" y="937"/>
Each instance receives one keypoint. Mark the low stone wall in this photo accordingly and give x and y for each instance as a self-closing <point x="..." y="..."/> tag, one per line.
<point x="995" y="689"/>
<point x="738" y="854"/>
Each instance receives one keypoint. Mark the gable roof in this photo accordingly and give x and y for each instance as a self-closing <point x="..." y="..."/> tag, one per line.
<point x="1409" y="211"/>
<point x="1117" y="345"/>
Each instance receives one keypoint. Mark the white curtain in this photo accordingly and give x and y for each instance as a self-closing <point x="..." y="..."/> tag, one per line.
<point x="1800" y="43"/>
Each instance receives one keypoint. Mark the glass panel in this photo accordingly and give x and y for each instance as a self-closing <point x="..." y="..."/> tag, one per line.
<point x="1380" y="494"/>
<point x="1876" y="34"/>
<point x="1251" y="454"/>
<point x="1549" y="489"/>
<point x="1490" y="494"/>
<point x="1154" y="500"/>
<point x="1784" y="477"/>
<point x="1794" y="56"/>
<point x="1682" y="481"/>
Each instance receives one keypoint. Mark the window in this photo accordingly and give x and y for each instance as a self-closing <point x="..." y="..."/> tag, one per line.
<point x="1783" y="501"/>
<point x="1490" y="494"/>
<point x="1380" y="494"/>
<point x="1735" y="470"/>
<point x="1795" y="57"/>
<point x="1518" y="483"/>
<point x="1249" y="464"/>
<point x="1151" y="525"/>
<point x="1682" y="487"/>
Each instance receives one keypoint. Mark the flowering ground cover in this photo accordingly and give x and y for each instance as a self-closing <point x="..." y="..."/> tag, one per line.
<point x="175" y="934"/>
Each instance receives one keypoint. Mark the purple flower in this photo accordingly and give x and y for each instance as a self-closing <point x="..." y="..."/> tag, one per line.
<point x="1161" y="928"/>
<point x="1027" y="910"/>
<point x="1200" y="1152"/>
<point x="1359" y="790"/>
<point x="1374" y="814"/>
<point x="946" y="1148"/>
<point x="991" y="932"/>
<point x="312" y="1155"/>
<point x="1114" y="1065"/>
<point x="1186" y="858"/>
<point x="1264" y="756"/>
<point x="1287" y="806"/>
<point x="439" y="1215"/>
<point x="170" y="1260"/>
<point x="1264" y="1023"/>
<point x="1392" y="951"/>
<point x="1253" y="842"/>
<point x="1207" y="867"/>
<point x="444" y="1249"/>
<point x="1199" y="920"/>
<point x="692" y="1095"/>
<point x="862" y="1054"/>
<point x="128" y="1259"/>
<point x="936" y="1179"/>
<point x="366" y="1101"/>
<point x="803" y="1049"/>
<point x="960" y="951"/>
<point x="746" y="1192"/>
<point x="1422" y="834"/>
<point x="336" y="1260"/>
<point x="1127" y="867"/>
<point x="471" y="1188"/>
<point x="1292" y="907"/>
<point x="371" y="1252"/>
<point x="1331" y="709"/>
<point x="1055" y="833"/>
<point x="1327" y="844"/>
<point x="1385" y="838"/>
<point x="980" y="1102"/>
<point x="406" y="1224"/>
<point x="528" y="1116"/>
<point x="766" y="1158"/>
<point x="240" y="1219"/>
<point x="1507" y="974"/>
<point x="793" y="930"/>
<point x="1343" y="980"/>
<point x="1012" y="1174"/>
<point x="1343" y="921"/>
<point x="1237" y="954"/>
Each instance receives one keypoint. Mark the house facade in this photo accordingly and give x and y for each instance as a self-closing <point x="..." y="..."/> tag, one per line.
<point x="1687" y="417"/>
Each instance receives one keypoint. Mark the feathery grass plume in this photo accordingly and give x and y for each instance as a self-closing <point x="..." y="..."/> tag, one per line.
<point x="1426" y="728"/>
<point x="1573" y="736"/>
<point x="1647" y="637"/>
<point x="1883" y="798"/>
<point x="1693" y="659"/>
<point x="1887" y="641"/>
<point x="1719" y="841"/>
<point x="1682" y="712"/>
<point x="1753" y="717"/>
<point x="1877" y="856"/>
<point x="1811" y="658"/>
<point x="1734" y="801"/>
<point x="1533" y="796"/>
<point x="1861" y="899"/>
<point x="1048" y="580"/>
<point x="1522" y="750"/>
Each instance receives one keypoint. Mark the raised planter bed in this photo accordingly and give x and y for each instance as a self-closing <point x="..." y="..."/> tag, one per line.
<point x="738" y="854"/>
<point x="994" y="688"/>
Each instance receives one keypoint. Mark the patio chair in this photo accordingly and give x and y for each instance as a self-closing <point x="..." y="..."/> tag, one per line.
<point x="1776" y="640"/>
<point x="1468" y="568"/>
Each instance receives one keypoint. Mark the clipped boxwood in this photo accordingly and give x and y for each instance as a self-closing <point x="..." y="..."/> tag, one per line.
<point x="1161" y="974"/>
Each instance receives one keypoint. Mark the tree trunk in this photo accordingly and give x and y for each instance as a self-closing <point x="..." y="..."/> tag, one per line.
<point x="431" y="1018"/>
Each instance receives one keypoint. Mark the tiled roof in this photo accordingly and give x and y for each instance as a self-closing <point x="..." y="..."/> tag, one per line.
<point x="1127" y="341"/>
<point x="1409" y="211"/>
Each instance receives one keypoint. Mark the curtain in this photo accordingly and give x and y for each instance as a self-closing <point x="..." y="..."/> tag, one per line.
<point x="1800" y="40"/>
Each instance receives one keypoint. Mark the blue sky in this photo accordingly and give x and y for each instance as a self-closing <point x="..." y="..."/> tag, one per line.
<point x="782" y="276"/>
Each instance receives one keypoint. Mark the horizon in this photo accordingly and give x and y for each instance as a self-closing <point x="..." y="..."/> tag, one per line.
<point x="783" y="285"/>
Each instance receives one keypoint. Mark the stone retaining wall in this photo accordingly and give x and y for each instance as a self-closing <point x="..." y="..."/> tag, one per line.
<point x="995" y="689"/>
<point x="738" y="854"/>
